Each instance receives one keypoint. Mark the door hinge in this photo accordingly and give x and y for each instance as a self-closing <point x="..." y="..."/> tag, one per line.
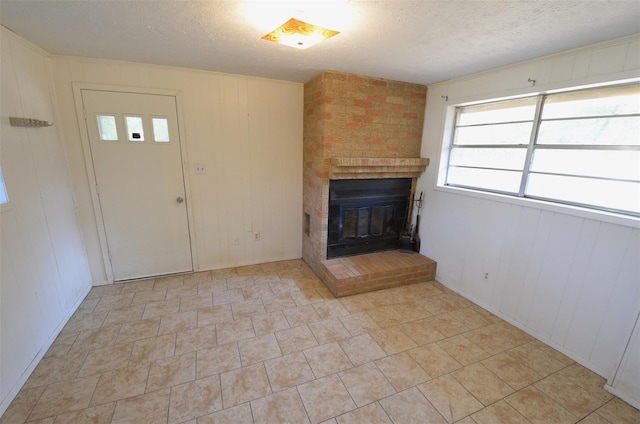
<point x="97" y="189"/>
<point x="84" y="113"/>
<point x="109" y="255"/>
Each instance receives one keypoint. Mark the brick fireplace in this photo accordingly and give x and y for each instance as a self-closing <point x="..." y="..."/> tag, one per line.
<point x="357" y="127"/>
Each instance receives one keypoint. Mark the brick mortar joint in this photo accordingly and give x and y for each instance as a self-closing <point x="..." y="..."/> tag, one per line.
<point x="386" y="162"/>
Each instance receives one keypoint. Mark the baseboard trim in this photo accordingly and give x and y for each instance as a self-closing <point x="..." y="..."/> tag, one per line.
<point x="622" y="395"/>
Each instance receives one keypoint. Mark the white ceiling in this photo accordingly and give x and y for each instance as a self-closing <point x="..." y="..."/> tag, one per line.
<point x="413" y="41"/>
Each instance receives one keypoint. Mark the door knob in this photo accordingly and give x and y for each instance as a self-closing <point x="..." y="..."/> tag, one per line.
<point x="179" y="199"/>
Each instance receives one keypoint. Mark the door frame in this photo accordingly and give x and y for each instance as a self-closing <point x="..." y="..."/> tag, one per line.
<point x="91" y="177"/>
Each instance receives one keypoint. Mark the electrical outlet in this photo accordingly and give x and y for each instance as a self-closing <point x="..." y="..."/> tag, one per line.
<point x="485" y="276"/>
<point x="235" y="240"/>
<point x="200" y="169"/>
<point x="256" y="236"/>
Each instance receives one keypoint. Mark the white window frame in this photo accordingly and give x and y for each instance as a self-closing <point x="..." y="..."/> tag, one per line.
<point x="586" y="211"/>
<point x="448" y="124"/>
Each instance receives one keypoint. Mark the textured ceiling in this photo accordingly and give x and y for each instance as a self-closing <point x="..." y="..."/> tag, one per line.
<point x="414" y="41"/>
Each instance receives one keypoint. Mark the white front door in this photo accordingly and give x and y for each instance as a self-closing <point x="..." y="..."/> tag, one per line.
<point x="137" y="162"/>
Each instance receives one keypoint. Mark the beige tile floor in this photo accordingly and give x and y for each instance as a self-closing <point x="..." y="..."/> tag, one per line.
<point x="270" y="344"/>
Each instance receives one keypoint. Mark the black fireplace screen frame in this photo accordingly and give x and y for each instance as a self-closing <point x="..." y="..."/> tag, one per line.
<point x="366" y="215"/>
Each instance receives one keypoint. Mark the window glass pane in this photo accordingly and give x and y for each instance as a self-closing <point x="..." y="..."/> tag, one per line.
<point x="135" y="131"/>
<point x="349" y="223"/>
<point x="490" y="113"/>
<point x="107" y="128"/>
<point x="494" y="134"/>
<point x="605" y="101"/>
<point x="586" y="149"/>
<point x="3" y="190"/>
<point x="608" y="194"/>
<point x="597" y="131"/>
<point x="619" y="164"/>
<point x="160" y="130"/>
<point x="377" y="220"/>
<point x="489" y="158"/>
<point x="505" y="181"/>
<point x="363" y="222"/>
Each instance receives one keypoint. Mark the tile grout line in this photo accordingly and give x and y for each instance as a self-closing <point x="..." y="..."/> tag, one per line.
<point x="315" y="304"/>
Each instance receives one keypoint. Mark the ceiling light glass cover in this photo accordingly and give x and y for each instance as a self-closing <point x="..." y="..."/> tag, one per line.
<point x="299" y="34"/>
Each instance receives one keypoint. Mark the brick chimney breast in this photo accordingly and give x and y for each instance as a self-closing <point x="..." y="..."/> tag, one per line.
<point x="355" y="117"/>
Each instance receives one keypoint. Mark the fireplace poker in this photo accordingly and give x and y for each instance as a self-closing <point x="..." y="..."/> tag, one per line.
<point x="416" y="237"/>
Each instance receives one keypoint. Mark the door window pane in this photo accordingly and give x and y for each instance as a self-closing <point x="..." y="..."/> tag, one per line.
<point x="160" y="130"/>
<point x="107" y="128"/>
<point x="135" y="130"/>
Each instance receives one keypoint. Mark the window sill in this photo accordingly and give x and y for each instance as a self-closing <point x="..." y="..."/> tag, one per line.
<point x="612" y="218"/>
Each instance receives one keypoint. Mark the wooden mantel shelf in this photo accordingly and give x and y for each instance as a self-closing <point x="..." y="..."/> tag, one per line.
<point x="361" y="168"/>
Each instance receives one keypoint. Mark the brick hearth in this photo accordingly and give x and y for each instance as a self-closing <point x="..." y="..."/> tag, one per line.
<point x="375" y="271"/>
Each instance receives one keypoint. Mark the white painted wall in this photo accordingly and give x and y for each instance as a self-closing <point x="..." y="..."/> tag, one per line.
<point x="624" y="382"/>
<point x="44" y="272"/>
<point x="248" y="133"/>
<point x="570" y="278"/>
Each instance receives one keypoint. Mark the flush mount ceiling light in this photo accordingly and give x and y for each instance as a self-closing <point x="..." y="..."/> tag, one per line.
<point x="299" y="34"/>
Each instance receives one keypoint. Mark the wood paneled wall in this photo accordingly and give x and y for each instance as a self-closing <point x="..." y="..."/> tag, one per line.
<point x="248" y="133"/>
<point x="44" y="269"/>
<point x="569" y="277"/>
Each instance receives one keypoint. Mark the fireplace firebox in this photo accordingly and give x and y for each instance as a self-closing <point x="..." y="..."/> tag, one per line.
<point x="366" y="215"/>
